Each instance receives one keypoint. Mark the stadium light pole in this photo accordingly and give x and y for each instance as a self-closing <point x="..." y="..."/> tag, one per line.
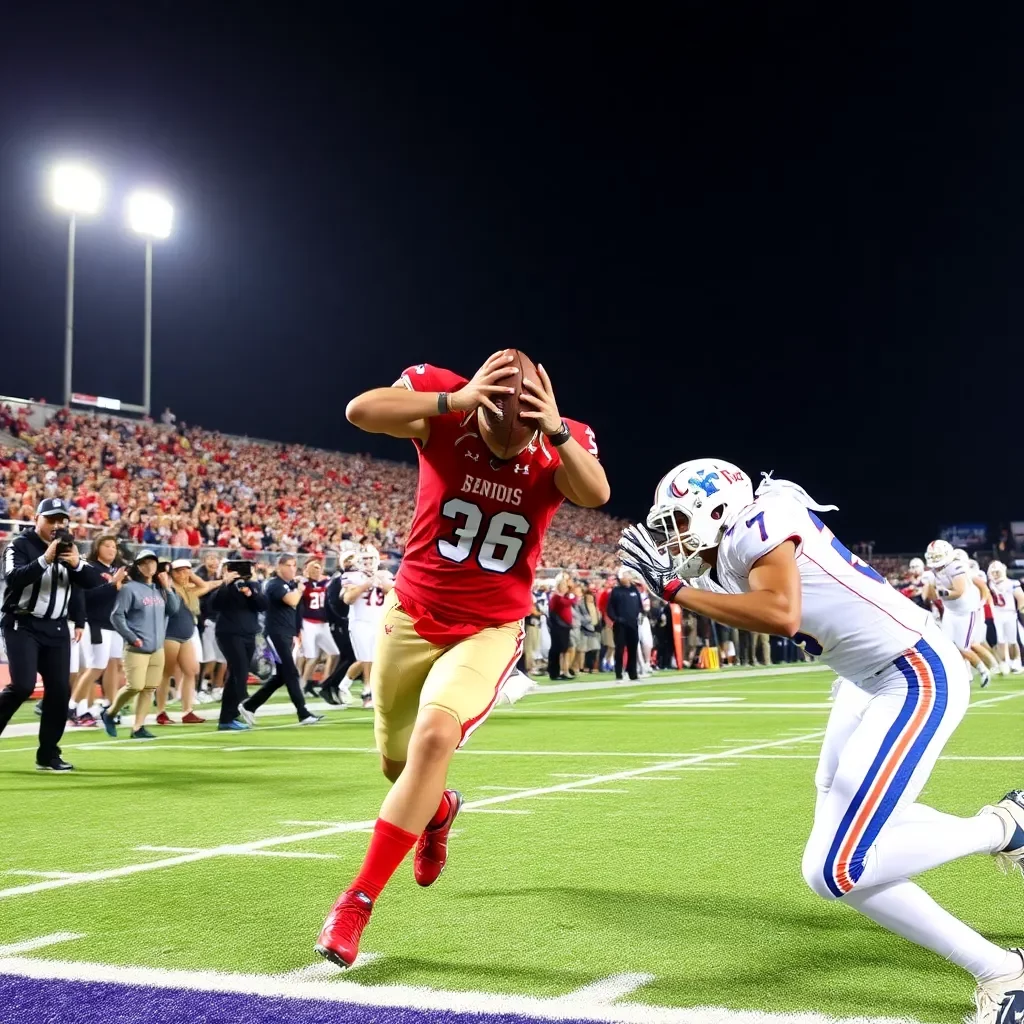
<point x="76" y="190"/>
<point x="150" y="216"/>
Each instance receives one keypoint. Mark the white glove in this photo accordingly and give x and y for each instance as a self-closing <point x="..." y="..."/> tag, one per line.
<point x="638" y="551"/>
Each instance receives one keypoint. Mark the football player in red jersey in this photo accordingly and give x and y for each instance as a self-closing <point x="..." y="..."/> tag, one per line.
<point x="451" y="633"/>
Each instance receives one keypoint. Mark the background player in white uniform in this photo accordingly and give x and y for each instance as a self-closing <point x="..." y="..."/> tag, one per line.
<point x="1007" y="602"/>
<point x="962" y="619"/>
<point x="987" y="637"/>
<point x="772" y="566"/>
<point x="363" y="591"/>
<point x="646" y="636"/>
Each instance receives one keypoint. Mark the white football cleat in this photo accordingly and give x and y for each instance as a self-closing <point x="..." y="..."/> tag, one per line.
<point x="1010" y="810"/>
<point x="246" y="715"/>
<point x="516" y="686"/>
<point x="1000" y="1001"/>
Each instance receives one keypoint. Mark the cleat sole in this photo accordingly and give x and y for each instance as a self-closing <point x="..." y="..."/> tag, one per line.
<point x="329" y="954"/>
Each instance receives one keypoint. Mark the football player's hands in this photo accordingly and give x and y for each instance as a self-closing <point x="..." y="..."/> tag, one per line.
<point x="540" y="403"/>
<point x="478" y="391"/>
<point x="638" y="551"/>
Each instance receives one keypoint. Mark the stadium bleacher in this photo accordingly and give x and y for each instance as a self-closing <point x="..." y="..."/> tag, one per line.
<point x="184" y="488"/>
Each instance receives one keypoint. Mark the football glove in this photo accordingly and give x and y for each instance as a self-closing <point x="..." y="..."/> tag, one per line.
<point x="638" y="551"/>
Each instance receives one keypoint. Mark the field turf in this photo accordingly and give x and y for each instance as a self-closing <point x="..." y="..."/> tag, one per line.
<point x="625" y="848"/>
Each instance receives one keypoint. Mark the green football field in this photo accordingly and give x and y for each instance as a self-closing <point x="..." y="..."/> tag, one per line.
<point x="625" y="846"/>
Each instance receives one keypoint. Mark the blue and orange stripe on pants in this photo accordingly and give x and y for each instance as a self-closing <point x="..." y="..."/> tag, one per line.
<point x="891" y="770"/>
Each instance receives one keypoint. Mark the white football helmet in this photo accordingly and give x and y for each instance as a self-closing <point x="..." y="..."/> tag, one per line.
<point x="691" y="506"/>
<point x="916" y="567"/>
<point x="996" y="571"/>
<point x="972" y="565"/>
<point x="961" y="556"/>
<point x="939" y="554"/>
<point x="369" y="559"/>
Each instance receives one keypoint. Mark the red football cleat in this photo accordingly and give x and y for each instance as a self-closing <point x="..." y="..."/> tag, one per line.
<point x="432" y="846"/>
<point x="339" y="937"/>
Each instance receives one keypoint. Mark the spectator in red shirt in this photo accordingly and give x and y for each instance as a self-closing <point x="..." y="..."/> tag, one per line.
<point x="559" y="623"/>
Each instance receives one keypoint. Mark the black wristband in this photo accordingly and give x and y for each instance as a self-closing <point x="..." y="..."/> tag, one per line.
<point x="442" y="403"/>
<point x="561" y="435"/>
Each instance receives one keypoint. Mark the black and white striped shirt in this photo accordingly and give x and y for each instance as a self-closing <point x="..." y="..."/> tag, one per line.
<point x="31" y="586"/>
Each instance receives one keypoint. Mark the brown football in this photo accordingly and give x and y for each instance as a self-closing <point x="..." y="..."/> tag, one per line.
<point x="511" y="432"/>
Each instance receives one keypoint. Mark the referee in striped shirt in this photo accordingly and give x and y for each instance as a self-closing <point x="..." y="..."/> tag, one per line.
<point x="41" y="578"/>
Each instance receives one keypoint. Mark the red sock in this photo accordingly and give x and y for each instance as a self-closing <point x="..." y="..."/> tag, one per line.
<point x="388" y="847"/>
<point x="441" y="813"/>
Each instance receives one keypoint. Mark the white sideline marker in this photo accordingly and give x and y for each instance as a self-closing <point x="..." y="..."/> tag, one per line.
<point x="232" y="849"/>
<point x="41" y="943"/>
<point x="406" y="996"/>
<point x="325" y="969"/>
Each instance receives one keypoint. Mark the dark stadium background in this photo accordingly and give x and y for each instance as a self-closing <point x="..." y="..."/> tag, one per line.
<point x="780" y="234"/>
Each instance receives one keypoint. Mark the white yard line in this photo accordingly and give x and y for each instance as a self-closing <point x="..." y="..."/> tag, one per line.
<point x="606" y="991"/>
<point x="267" y="711"/>
<point x="358" y="826"/>
<point x="695" y="676"/>
<point x="434" y="1001"/>
<point x="291" y="854"/>
<point x="493" y="810"/>
<point x="41" y="943"/>
<point x="41" y="874"/>
<point x="995" y="700"/>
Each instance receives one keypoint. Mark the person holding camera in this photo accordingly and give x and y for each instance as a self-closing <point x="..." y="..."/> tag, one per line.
<point x="283" y="593"/>
<point x="238" y="606"/>
<point x="41" y="570"/>
<point x="144" y="604"/>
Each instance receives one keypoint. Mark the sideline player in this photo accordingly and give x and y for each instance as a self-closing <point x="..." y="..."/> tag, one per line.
<point x="364" y="590"/>
<point x="1007" y="602"/>
<point x="770" y="565"/>
<point x="315" y="637"/>
<point x="961" y="603"/>
<point x="452" y="630"/>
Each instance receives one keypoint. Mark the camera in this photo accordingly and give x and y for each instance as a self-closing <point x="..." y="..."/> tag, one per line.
<point x="242" y="567"/>
<point x="65" y="541"/>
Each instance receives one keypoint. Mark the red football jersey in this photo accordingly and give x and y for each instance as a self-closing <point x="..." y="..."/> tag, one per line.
<point x="479" y="523"/>
<point x="314" y="600"/>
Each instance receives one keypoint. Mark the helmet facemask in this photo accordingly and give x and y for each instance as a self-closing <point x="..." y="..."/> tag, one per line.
<point x="670" y="527"/>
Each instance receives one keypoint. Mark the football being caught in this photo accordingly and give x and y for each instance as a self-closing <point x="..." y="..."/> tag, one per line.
<point x="512" y="432"/>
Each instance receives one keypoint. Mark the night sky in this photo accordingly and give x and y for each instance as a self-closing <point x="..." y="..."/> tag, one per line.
<point x="790" y="236"/>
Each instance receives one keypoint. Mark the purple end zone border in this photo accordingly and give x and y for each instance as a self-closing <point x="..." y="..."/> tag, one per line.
<point x="30" y="1001"/>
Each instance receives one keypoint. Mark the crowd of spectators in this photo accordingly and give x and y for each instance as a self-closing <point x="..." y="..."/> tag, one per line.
<point x="178" y="487"/>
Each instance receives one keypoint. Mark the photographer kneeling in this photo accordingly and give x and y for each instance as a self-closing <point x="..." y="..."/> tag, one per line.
<point x="238" y="606"/>
<point x="144" y="604"/>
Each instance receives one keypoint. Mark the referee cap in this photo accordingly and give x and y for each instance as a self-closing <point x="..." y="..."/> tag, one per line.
<point x="53" y="507"/>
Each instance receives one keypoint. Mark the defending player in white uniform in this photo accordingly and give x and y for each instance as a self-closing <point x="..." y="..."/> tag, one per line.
<point x="768" y="564"/>
<point x="962" y="619"/>
<point x="1007" y="603"/>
